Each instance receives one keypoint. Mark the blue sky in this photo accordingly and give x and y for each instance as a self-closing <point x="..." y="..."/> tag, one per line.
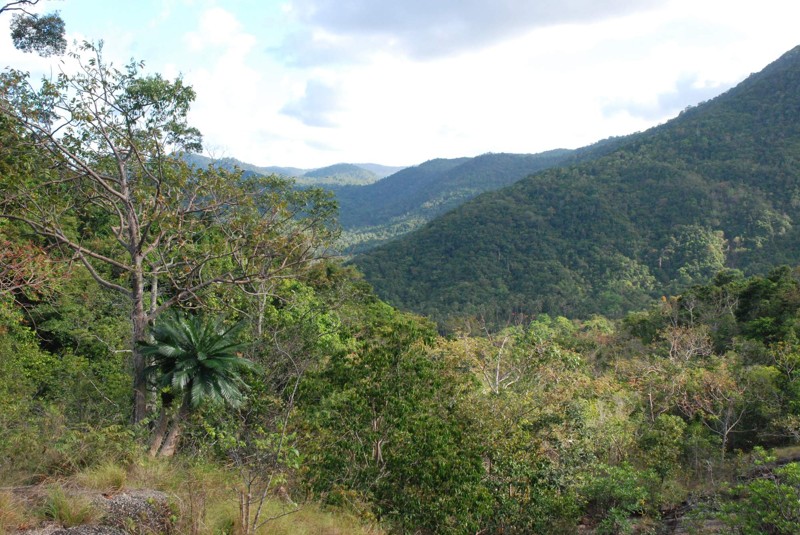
<point x="308" y="83"/>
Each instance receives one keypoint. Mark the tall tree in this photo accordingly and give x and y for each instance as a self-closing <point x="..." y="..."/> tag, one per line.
<point x="110" y="191"/>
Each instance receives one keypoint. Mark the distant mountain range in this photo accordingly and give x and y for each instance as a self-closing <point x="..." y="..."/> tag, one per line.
<point x="338" y="174"/>
<point x="375" y="208"/>
<point x="609" y="227"/>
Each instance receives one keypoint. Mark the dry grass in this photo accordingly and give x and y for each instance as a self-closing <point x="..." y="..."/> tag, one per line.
<point x="12" y="513"/>
<point x="787" y="454"/>
<point x="68" y="509"/>
<point x="315" y="520"/>
<point x="203" y="498"/>
<point x="106" y="477"/>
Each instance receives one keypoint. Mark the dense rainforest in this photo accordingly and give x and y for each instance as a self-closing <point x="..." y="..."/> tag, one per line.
<point x="377" y="213"/>
<point x="177" y="332"/>
<point x="716" y="187"/>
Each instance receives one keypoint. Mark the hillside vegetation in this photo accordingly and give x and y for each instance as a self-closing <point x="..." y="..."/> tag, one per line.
<point x="718" y="186"/>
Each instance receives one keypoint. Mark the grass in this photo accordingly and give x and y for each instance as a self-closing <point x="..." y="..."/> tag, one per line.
<point x="203" y="499"/>
<point x="788" y="453"/>
<point x="207" y="503"/>
<point x="12" y="514"/>
<point x="106" y="477"/>
<point x="315" y="520"/>
<point x="68" y="510"/>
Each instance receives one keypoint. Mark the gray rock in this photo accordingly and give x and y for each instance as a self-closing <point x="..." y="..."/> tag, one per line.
<point x="132" y="512"/>
<point x="89" y="530"/>
<point x="136" y="512"/>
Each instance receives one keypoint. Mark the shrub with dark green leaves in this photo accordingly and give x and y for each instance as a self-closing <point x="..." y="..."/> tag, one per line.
<point x="767" y="504"/>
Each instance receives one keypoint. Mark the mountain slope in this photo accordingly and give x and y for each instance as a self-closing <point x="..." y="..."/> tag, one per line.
<point x="718" y="186"/>
<point x="406" y="200"/>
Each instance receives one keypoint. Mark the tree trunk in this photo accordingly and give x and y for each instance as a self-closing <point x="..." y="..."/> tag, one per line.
<point x="174" y="435"/>
<point x="139" y="321"/>
<point x="158" y="433"/>
<point x="161" y="427"/>
<point x="245" y="499"/>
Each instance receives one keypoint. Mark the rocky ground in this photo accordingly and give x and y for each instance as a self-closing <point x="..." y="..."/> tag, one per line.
<point x="129" y="512"/>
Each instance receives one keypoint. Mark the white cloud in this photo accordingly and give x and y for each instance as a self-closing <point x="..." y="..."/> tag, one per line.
<point x="316" y="106"/>
<point x="402" y="82"/>
<point x="220" y="29"/>
<point x="423" y="29"/>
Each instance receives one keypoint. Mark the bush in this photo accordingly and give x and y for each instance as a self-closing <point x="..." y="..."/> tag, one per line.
<point x="615" y="493"/>
<point x="767" y="504"/>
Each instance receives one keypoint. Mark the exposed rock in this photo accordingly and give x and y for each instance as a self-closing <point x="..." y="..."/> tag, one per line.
<point x="137" y="511"/>
<point x="89" y="530"/>
<point x="134" y="512"/>
<point x="55" y="529"/>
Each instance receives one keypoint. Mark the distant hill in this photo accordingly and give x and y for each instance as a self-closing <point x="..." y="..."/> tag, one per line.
<point x="338" y="174"/>
<point x="381" y="170"/>
<point x="342" y="173"/>
<point x="374" y="210"/>
<point x="230" y="163"/>
<point x="401" y="203"/>
<point x="623" y="221"/>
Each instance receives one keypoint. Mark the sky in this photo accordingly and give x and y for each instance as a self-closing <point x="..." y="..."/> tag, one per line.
<point x="310" y="83"/>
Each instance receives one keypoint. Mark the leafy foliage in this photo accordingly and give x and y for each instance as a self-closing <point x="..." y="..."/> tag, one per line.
<point x="43" y="34"/>
<point x="392" y="429"/>
<point x="31" y="32"/>
<point x="543" y="425"/>
<point x="109" y="191"/>
<point x="198" y="358"/>
<point x="769" y="503"/>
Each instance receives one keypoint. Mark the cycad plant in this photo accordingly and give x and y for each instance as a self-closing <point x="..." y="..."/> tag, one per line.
<point x="195" y="360"/>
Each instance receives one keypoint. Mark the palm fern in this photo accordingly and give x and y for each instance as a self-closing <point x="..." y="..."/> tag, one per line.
<point x="196" y="359"/>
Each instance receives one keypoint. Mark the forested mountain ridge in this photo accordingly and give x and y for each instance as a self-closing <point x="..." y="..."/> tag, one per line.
<point x="378" y="212"/>
<point x="716" y="187"/>
<point x="379" y="203"/>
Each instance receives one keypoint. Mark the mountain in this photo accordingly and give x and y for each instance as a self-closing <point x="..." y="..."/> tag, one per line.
<point x="378" y="213"/>
<point x="381" y="170"/>
<point x="409" y="198"/>
<point x="716" y="187"/>
<point x="338" y="174"/>
<point x="230" y="163"/>
<point x="374" y="210"/>
<point x="341" y="173"/>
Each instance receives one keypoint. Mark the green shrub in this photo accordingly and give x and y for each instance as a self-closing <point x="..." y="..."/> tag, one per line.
<point x="767" y="504"/>
<point x="615" y="493"/>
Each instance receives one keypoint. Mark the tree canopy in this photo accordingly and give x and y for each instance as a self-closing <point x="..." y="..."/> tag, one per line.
<point x="109" y="190"/>
<point x="33" y="32"/>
